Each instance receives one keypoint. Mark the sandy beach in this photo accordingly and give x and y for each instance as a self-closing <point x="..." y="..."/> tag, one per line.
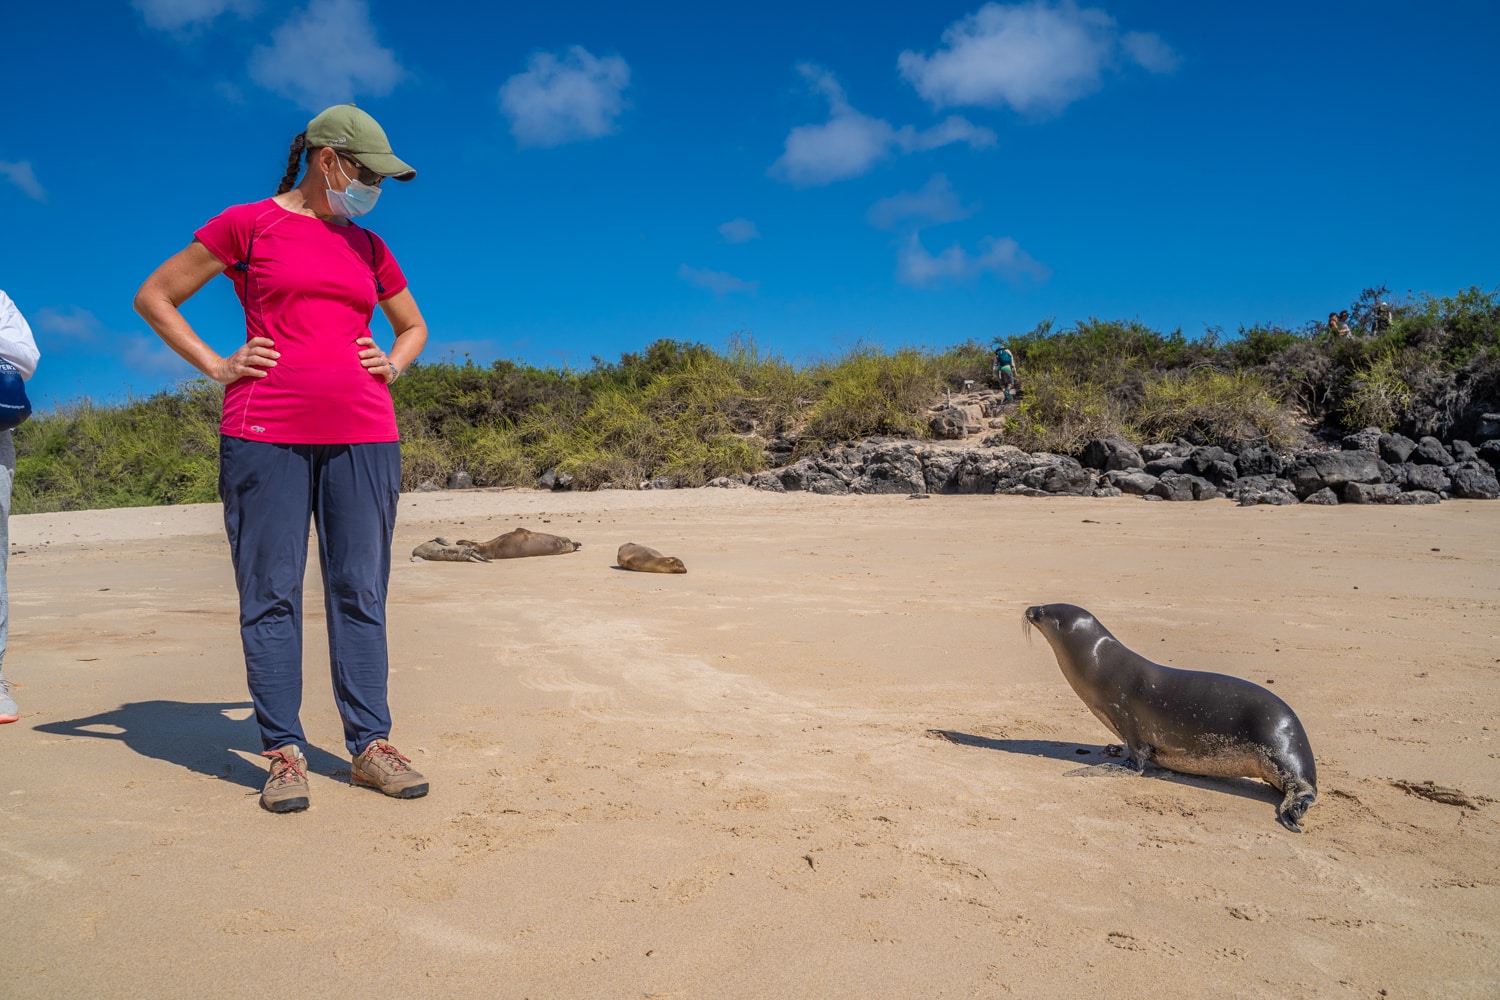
<point x="824" y="763"/>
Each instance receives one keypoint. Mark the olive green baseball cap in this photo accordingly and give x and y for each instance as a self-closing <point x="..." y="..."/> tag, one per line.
<point x="349" y="130"/>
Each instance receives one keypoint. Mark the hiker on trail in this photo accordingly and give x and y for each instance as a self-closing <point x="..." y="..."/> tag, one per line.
<point x="1005" y="371"/>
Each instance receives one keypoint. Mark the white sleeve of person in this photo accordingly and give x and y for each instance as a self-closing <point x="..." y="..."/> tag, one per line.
<point x="17" y="345"/>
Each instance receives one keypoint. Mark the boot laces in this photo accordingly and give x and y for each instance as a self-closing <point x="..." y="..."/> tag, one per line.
<point x="285" y="767"/>
<point x="381" y="753"/>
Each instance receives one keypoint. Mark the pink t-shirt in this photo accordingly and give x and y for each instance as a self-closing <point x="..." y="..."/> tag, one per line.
<point x="310" y="288"/>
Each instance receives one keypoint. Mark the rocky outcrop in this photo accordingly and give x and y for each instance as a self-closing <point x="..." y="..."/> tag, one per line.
<point x="1258" y="460"/>
<point x="1369" y="493"/>
<point x="1366" y="467"/>
<point x="1421" y="477"/>
<point x="1134" y="483"/>
<point x="1396" y="448"/>
<point x="1474" y="481"/>
<point x="1110" y="455"/>
<point x="1430" y="451"/>
<point x="1370" y="468"/>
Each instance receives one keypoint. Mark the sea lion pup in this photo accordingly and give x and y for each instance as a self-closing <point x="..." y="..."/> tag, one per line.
<point x="442" y="550"/>
<point x="521" y="543"/>
<point x="1184" y="720"/>
<point x="643" y="560"/>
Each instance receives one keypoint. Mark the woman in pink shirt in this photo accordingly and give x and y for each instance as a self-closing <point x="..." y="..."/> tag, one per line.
<point x="308" y="433"/>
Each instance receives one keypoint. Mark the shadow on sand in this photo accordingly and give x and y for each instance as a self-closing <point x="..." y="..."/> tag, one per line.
<point x="200" y="736"/>
<point x="1098" y="761"/>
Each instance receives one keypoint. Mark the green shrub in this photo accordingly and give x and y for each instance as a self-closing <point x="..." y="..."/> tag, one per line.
<point x="866" y="393"/>
<point x="160" y="450"/>
<point x="425" y="459"/>
<point x="1208" y="406"/>
<point x="1060" y="412"/>
<point x="496" y="457"/>
<point x="1379" y="394"/>
<point x="1258" y="345"/>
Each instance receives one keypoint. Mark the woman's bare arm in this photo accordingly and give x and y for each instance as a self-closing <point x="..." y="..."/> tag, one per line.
<point x="411" y="336"/>
<point x="173" y="283"/>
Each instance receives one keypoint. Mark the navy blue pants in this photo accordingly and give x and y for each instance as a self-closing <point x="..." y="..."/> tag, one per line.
<point x="349" y="491"/>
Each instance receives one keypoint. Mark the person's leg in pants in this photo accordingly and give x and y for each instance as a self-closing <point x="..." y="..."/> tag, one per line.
<point x="8" y="709"/>
<point x="356" y="488"/>
<point x="267" y="491"/>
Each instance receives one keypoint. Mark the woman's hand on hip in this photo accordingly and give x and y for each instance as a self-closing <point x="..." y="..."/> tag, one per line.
<point x="250" y="361"/>
<point x="376" y="361"/>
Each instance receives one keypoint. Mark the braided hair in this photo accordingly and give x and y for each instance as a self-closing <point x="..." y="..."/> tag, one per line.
<point x="299" y="144"/>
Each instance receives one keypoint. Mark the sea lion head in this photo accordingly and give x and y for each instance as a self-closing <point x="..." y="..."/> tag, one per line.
<point x="1060" y="623"/>
<point x="1058" y="618"/>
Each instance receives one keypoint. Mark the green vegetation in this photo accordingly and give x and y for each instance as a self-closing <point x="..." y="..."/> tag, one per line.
<point x="685" y="413"/>
<point x="162" y="450"/>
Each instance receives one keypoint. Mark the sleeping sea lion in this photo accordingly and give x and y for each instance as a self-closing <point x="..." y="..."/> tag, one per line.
<point x="643" y="560"/>
<point x="442" y="550"/>
<point x="520" y="543"/>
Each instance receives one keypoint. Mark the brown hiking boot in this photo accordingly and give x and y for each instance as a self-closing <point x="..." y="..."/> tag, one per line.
<point x="382" y="768"/>
<point x="286" y="787"/>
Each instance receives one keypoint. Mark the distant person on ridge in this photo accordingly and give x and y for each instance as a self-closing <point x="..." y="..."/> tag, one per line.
<point x="1005" y="371"/>
<point x="17" y="352"/>
<point x="1338" y="324"/>
<point x="308" y="433"/>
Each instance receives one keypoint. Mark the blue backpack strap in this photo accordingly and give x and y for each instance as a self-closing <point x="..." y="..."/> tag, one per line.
<point x="243" y="266"/>
<point x="379" y="288"/>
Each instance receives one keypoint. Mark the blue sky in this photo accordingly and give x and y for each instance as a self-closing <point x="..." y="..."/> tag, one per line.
<point x="597" y="176"/>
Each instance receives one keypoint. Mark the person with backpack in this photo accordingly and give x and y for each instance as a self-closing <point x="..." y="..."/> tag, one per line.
<point x="308" y="433"/>
<point x="18" y="360"/>
<point x="1005" y="372"/>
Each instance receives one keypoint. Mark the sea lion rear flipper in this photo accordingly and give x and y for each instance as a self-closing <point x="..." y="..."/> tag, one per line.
<point x="1299" y="795"/>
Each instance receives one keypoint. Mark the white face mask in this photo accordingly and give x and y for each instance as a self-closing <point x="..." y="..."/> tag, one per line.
<point x="355" y="200"/>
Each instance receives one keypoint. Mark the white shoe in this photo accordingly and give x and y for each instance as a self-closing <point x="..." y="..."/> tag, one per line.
<point x="9" y="712"/>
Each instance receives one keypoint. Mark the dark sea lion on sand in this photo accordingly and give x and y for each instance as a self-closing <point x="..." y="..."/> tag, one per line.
<point x="644" y="560"/>
<point x="521" y="543"/>
<point x="1184" y="720"/>
<point x="442" y="550"/>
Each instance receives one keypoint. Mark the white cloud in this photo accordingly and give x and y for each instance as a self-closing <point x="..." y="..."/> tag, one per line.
<point x="74" y="324"/>
<point x="145" y="352"/>
<point x="1149" y="51"/>
<point x="739" y="231"/>
<point x="326" y="54"/>
<point x="915" y="266"/>
<point x="1036" y="57"/>
<point x="22" y="176"/>
<point x="718" y="282"/>
<point x="178" y="16"/>
<point x="558" y="100"/>
<point x="141" y="351"/>
<point x="936" y="203"/>
<point x="850" y="142"/>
